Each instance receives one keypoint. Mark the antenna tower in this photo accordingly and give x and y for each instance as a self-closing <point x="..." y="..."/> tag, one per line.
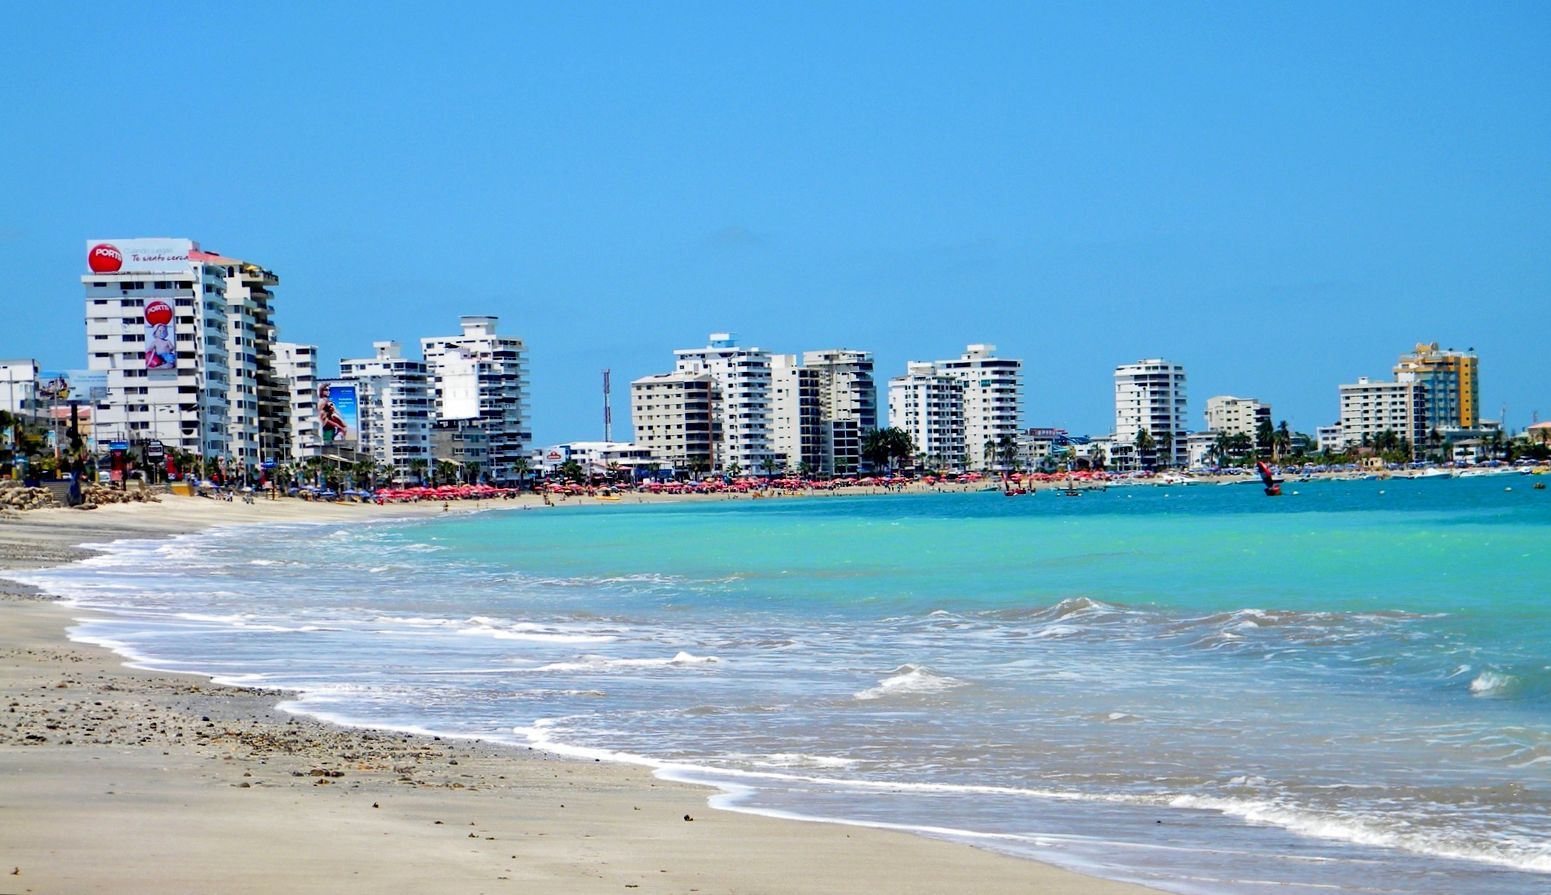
<point x="608" y="410"/>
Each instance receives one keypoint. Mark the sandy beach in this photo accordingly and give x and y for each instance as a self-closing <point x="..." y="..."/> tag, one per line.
<point x="120" y="780"/>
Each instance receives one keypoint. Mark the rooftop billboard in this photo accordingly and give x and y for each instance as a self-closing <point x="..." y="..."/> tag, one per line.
<point x="138" y="255"/>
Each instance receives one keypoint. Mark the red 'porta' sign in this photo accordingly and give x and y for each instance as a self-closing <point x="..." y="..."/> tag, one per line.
<point x="104" y="258"/>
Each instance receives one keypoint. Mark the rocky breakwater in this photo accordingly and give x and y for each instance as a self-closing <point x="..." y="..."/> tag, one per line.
<point x="16" y="496"/>
<point x="97" y="495"/>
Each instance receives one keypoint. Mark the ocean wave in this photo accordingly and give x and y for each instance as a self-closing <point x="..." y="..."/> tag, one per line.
<point x="1384" y="832"/>
<point x="801" y="760"/>
<point x="499" y="629"/>
<point x="910" y="680"/>
<point x="1523" y="681"/>
<point x="604" y="663"/>
<point x="1493" y="684"/>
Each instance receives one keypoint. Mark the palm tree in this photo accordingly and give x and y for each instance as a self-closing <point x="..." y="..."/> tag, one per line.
<point x="1221" y="447"/>
<point x="1007" y="451"/>
<point x="767" y="464"/>
<point x="471" y="472"/>
<point x="1166" y="447"/>
<point x="521" y="466"/>
<point x="1144" y="447"/>
<point x="362" y="470"/>
<point x="1281" y="440"/>
<point x="875" y="449"/>
<point x="1264" y="433"/>
<point x="417" y="468"/>
<point x="446" y="472"/>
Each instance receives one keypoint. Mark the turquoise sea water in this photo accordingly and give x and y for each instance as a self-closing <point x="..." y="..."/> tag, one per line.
<point x="1346" y="688"/>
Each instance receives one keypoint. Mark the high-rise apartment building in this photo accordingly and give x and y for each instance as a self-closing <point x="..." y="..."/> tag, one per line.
<point x="1228" y="415"/>
<point x="848" y="405"/>
<point x="257" y="407"/>
<point x="993" y="400"/>
<point x="796" y="418"/>
<point x="929" y="406"/>
<point x="743" y="406"/>
<point x="674" y="417"/>
<point x="296" y="371"/>
<point x="394" y="405"/>
<point x="1448" y="392"/>
<point x="822" y="409"/>
<point x="1370" y="408"/>
<point x="1150" y="396"/>
<point x="479" y="380"/>
<point x="156" y="325"/>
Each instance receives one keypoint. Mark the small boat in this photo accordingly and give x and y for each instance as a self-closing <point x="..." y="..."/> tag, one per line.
<point x="1273" y="486"/>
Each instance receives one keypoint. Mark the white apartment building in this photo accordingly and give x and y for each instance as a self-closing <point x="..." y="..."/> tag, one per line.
<point x="156" y="325"/>
<point x="743" y="409"/>
<point x="1236" y="416"/>
<point x="296" y="370"/>
<point x="1369" y="408"/>
<point x="796" y="418"/>
<point x="478" y="379"/>
<point x="1198" y="449"/>
<point x="993" y="400"/>
<point x="1150" y="396"/>
<point x="18" y="386"/>
<point x="822" y="409"/>
<point x="1330" y="438"/>
<point x="848" y="405"/>
<point x="929" y="406"/>
<point x="256" y="409"/>
<point x="394" y="403"/>
<point x="675" y="419"/>
<point x="622" y="460"/>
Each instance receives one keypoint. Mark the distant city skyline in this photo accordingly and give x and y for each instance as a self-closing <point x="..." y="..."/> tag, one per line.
<point x="1278" y="200"/>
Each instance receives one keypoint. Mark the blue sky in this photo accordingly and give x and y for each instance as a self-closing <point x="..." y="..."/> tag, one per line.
<point x="1280" y="197"/>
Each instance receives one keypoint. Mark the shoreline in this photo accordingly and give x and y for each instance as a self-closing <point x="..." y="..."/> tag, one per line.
<point x="115" y="779"/>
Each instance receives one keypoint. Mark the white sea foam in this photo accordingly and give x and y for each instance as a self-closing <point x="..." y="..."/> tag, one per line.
<point x="910" y="679"/>
<point x="1492" y="683"/>
<point x="1386" y="832"/>
<point x="604" y="663"/>
<point x="485" y="626"/>
<point x="1055" y="632"/>
<point x="489" y="627"/>
<point x="802" y="760"/>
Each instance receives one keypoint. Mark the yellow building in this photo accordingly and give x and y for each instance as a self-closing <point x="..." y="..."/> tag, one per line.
<point x="1450" y="390"/>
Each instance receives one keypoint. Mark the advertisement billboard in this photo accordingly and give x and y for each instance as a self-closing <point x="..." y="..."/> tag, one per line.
<point x="138" y="255"/>
<point x="161" y="340"/>
<point x="339" y="416"/>
<point x="59" y="386"/>
<point x="460" y="388"/>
